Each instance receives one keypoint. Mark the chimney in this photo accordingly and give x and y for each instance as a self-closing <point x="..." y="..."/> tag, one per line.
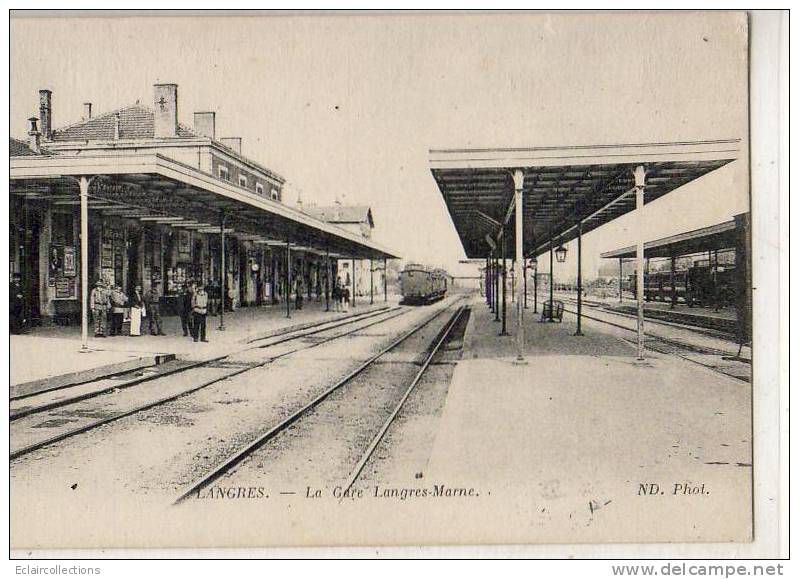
<point x="205" y="124"/>
<point x="46" y="113"/>
<point x="87" y="111"/>
<point x="166" y="110"/>
<point x="232" y="142"/>
<point x="34" y="135"/>
<point x="116" y="126"/>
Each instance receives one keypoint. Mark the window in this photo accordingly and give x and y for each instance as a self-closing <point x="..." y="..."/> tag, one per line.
<point x="259" y="188"/>
<point x="275" y="195"/>
<point x="224" y="173"/>
<point x="242" y="181"/>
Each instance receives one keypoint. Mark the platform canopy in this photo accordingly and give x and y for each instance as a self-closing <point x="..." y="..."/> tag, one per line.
<point x="154" y="188"/>
<point x="563" y="187"/>
<point x="715" y="237"/>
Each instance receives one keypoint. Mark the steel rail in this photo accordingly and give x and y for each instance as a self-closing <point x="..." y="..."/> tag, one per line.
<point x="668" y="342"/>
<point x="80" y="430"/>
<point x="240" y="455"/>
<point x="356" y="472"/>
<point x="285" y="337"/>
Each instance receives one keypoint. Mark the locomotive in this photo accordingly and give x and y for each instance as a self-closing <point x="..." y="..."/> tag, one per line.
<point x="420" y="285"/>
<point x="699" y="285"/>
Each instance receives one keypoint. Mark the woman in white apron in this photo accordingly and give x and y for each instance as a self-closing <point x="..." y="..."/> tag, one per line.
<point x="136" y="310"/>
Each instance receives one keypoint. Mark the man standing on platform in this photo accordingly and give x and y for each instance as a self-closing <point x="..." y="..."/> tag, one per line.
<point x="152" y="303"/>
<point x="186" y="297"/>
<point x="199" y="308"/>
<point x="99" y="302"/>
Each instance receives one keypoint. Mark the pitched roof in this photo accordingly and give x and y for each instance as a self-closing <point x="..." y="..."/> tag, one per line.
<point x="135" y="122"/>
<point x="342" y="214"/>
<point x="18" y="148"/>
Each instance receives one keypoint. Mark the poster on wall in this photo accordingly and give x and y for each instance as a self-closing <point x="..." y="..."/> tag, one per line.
<point x="56" y="260"/>
<point x="107" y="257"/>
<point x="184" y="243"/>
<point x="69" y="263"/>
<point x="65" y="288"/>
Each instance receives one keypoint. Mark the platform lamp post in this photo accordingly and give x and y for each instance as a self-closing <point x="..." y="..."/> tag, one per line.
<point x="534" y="266"/>
<point x="560" y="256"/>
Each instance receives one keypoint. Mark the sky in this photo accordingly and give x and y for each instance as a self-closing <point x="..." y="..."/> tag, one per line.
<point x="348" y="106"/>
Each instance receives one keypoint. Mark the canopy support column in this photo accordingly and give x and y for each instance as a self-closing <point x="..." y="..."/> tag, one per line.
<point x="504" y="282"/>
<point x="352" y="300"/>
<point x="371" y="281"/>
<point x="518" y="185"/>
<point x="640" y="182"/>
<point x="288" y="279"/>
<point x="551" y="278"/>
<point x="84" y="183"/>
<point x="621" y="263"/>
<point x="673" y="283"/>
<point x="223" y="275"/>
<point x="486" y="277"/>
<point x="579" y="331"/>
<point x="496" y="289"/>
<point x="535" y="288"/>
<point x="327" y="279"/>
<point x="385" y="280"/>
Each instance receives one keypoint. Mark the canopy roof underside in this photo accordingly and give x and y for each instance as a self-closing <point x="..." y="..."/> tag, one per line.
<point x="563" y="186"/>
<point x="153" y="188"/>
<point x="713" y="238"/>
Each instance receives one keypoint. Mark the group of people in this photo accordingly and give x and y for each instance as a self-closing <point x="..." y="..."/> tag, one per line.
<point x="108" y="303"/>
<point x="341" y="296"/>
<point x="194" y="311"/>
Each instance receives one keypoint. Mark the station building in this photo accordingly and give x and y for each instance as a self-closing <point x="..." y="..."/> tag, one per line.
<point x="362" y="276"/>
<point x="164" y="203"/>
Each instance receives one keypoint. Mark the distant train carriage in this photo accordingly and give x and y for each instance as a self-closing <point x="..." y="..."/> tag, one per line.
<point x="699" y="285"/>
<point x="420" y="285"/>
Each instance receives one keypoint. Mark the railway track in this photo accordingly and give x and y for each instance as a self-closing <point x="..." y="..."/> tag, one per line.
<point x="694" y="353"/>
<point x="59" y="420"/>
<point x="315" y="406"/>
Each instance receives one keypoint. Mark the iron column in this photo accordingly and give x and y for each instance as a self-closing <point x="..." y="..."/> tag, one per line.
<point x="223" y="276"/>
<point x="504" y="286"/>
<point x="551" y="279"/>
<point x="640" y="180"/>
<point x="327" y="279"/>
<point x="353" y="282"/>
<point x="371" y="281"/>
<point x="518" y="186"/>
<point x="288" y="279"/>
<point x="385" y="279"/>
<point x="84" y="263"/>
<point x="579" y="331"/>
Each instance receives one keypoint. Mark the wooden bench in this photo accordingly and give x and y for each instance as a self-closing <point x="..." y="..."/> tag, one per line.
<point x="552" y="311"/>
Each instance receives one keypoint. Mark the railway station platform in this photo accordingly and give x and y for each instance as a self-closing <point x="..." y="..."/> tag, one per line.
<point x="47" y="355"/>
<point x="570" y="444"/>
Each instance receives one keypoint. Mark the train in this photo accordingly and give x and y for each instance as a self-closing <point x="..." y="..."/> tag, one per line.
<point x="699" y="285"/>
<point x="420" y="285"/>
